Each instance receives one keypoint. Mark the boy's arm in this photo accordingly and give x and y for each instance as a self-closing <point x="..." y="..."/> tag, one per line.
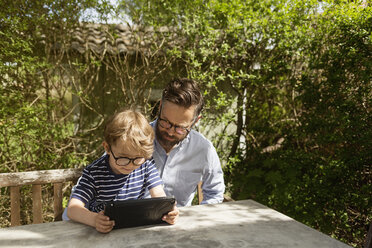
<point x="172" y="216"/>
<point x="157" y="191"/>
<point x="76" y="211"/>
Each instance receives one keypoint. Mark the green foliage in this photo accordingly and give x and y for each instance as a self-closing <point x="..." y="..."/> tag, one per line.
<point x="41" y="142"/>
<point x="32" y="134"/>
<point x="321" y="175"/>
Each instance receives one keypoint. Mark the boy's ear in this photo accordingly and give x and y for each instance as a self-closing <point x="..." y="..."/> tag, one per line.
<point x="106" y="146"/>
<point x="160" y="103"/>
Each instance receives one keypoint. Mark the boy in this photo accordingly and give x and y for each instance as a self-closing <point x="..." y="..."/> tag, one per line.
<point x="125" y="172"/>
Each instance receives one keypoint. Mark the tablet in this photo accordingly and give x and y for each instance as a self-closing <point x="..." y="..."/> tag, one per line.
<point x="131" y="213"/>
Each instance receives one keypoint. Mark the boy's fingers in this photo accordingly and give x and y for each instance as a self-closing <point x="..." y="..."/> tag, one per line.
<point x="173" y="213"/>
<point x="170" y="220"/>
<point x="105" y="227"/>
<point x="107" y="224"/>
<point x="104" y="230"/>
<point x="104" y="220"/>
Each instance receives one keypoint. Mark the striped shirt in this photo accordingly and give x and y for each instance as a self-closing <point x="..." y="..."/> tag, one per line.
<point x="99" y="184"/>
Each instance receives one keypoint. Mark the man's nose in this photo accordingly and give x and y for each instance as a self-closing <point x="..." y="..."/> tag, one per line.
<point x="171" y="131"/>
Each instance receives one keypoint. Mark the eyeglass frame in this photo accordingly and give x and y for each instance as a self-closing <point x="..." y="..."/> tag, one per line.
<point x="172" y="125"/>
<point x="130" y="160"/>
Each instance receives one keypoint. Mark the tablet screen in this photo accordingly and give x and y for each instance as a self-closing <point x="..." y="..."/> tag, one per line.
<point x="131" y="213"/>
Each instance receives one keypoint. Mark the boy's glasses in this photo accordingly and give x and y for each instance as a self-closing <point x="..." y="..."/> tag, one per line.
<point x="123" y="161"/>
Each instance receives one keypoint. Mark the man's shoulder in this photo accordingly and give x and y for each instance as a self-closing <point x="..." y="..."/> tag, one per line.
<point x="202" y="149"/>
<point x="198" y="139"/>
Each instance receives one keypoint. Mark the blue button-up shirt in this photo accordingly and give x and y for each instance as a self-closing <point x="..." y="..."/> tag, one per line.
<point x="193" y="160"/>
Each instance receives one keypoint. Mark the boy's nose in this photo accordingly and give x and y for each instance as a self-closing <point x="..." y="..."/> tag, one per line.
<point x="132" y="166"/>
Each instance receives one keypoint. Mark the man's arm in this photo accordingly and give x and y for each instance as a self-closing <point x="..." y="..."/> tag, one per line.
<point x="213" y="186"/>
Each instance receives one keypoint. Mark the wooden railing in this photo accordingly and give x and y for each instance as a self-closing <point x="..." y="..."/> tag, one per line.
<point x="36" y="179"/>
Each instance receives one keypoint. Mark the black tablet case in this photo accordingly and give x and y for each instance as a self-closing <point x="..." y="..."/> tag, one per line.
<point x="131" y="213"/>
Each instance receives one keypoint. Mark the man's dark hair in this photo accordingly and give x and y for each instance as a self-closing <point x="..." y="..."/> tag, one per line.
<point x="184" y="92"/>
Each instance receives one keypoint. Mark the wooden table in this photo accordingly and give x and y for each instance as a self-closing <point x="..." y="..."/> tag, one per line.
<point x="232" y="224"/>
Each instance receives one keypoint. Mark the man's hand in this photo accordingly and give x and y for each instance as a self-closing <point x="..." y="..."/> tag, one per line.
<point x="172" y="216"/>
<point x="103" y="223"/>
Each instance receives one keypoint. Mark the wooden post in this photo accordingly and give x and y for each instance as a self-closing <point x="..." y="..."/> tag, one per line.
<point x="57" y="201"/>
<point x="37" y="209"/>
<point x="15" y="209"/>
<point x="368" y="240"/>
<point x="200" y="192"/>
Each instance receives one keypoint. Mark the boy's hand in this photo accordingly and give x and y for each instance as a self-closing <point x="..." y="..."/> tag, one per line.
<point x="172" y="216"/>
<point x="103" y="223"/>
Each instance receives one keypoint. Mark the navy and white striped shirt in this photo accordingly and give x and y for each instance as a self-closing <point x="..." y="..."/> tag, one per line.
<point x="99" y="184"/>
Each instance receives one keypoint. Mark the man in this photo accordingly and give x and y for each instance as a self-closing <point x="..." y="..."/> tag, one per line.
<point x="183" y="156"/>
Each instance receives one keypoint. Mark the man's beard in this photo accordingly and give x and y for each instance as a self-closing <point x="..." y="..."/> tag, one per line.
<point x="167" y="144"/>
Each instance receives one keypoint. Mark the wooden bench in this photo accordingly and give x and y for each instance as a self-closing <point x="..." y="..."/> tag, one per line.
<point x="36" y="179"/>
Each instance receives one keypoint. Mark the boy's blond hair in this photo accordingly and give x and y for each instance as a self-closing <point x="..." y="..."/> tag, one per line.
<point x="132" y="127"/>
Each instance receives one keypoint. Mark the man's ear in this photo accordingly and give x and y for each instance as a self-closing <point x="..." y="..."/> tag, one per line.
<point x="197" y="119"/>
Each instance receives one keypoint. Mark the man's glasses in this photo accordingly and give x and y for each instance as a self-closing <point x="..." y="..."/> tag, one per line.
<point x="123" y="161"/>
<point x="178" y="129"/>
